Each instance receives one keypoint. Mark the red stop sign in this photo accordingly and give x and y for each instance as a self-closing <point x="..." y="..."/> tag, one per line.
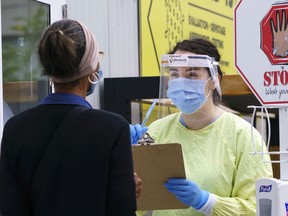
<point x="274" y="34"/>
<point x="261" y="48"/>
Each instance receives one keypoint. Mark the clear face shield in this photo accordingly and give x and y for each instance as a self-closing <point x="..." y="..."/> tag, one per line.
<point x="180" y="88"/>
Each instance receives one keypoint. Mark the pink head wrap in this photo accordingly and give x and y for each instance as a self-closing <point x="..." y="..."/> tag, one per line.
<point x="89" y="60"/>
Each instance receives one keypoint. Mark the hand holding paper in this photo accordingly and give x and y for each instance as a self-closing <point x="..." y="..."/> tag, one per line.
<point x="138" y="183"/>
<point x="188" y="192"/>
<point x="136" y="132"/>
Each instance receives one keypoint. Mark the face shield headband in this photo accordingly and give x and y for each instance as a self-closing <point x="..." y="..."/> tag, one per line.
<point x="186" y="60"/>
<point x="171" y="61"/>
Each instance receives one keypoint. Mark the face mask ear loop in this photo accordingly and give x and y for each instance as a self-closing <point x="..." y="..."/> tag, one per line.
<point x="210" y="89"/>
<point x="96" y="77"/>
<point x="208" y="80"/>
<point x="208" y="94"/>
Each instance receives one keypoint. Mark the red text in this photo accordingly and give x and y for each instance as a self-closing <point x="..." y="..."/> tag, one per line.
<point x="275" y="78"/>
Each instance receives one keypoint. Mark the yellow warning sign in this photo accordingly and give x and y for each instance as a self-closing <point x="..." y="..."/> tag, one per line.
<point x="163" y="23"/>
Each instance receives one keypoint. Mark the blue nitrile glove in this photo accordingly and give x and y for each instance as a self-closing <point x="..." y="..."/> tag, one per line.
<point x="136" y="132"/>
<point x="187" y="192"/>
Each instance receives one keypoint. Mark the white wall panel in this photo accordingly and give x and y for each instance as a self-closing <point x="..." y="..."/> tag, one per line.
<point x="123" y="37"/>
<point x="115" y="25"/>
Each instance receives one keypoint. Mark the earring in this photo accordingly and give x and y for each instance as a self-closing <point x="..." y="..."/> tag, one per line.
<point x="96" y="77"/>
<point x="51" y="84"/>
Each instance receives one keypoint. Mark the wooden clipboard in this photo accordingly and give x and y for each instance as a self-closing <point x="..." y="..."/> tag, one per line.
<point x="155" y="164"/>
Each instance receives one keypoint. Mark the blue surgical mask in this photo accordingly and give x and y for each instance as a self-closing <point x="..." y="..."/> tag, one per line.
<point x="187" y="94"/>
<point x="91" y="89"/>
<point x="94" y="83"/>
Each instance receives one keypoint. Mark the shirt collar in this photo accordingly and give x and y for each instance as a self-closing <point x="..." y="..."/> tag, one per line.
<point x="62" y="98"/>
<point x="185" y="125"/>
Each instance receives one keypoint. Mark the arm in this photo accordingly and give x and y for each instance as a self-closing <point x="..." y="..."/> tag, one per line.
<point x="249" y="169"/>
<point x="121" y="191"/>
<point x="13" y="201"/>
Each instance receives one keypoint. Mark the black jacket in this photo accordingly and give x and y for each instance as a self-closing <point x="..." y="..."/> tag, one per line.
<point x="93" y="173"/>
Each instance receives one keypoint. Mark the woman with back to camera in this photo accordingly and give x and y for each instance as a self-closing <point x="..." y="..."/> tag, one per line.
<point x="90" y="172"/>
<point x="220" y="171"/>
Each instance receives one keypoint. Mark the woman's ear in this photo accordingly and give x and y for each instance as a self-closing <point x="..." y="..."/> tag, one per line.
<point x="216" y="81"/>
<point x="213" y="83"/>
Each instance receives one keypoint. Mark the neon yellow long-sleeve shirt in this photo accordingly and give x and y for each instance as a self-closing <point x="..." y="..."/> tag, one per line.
<point x="218" y="159"/>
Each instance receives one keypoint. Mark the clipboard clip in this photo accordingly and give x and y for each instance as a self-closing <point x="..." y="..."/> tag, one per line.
<point x="146" y="140"/>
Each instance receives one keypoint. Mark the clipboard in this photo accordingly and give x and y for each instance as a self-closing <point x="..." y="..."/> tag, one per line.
<point x="155" y="164"/>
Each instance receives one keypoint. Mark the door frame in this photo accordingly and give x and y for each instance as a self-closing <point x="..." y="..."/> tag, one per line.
<point x="56" y="13"/>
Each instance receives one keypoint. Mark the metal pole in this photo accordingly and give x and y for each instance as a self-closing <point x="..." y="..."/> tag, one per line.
<point x="283" y="142"/>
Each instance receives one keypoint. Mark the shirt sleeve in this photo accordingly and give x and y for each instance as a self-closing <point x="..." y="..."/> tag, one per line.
<point x="121" y="185"/>
<point x="250" y="167"/>
<point x="13" y="200"/>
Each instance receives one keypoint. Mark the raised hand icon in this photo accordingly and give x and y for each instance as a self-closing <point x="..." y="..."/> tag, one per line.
<point x="280" y="35"/>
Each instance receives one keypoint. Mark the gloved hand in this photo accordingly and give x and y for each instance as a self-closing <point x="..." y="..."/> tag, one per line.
<point x="187" y="192"/>
<point x="136" y="132"/>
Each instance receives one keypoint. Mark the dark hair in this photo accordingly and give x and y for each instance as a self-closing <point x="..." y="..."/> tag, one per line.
<point x="202" y="47"/>
<point x="61" y="48"/>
